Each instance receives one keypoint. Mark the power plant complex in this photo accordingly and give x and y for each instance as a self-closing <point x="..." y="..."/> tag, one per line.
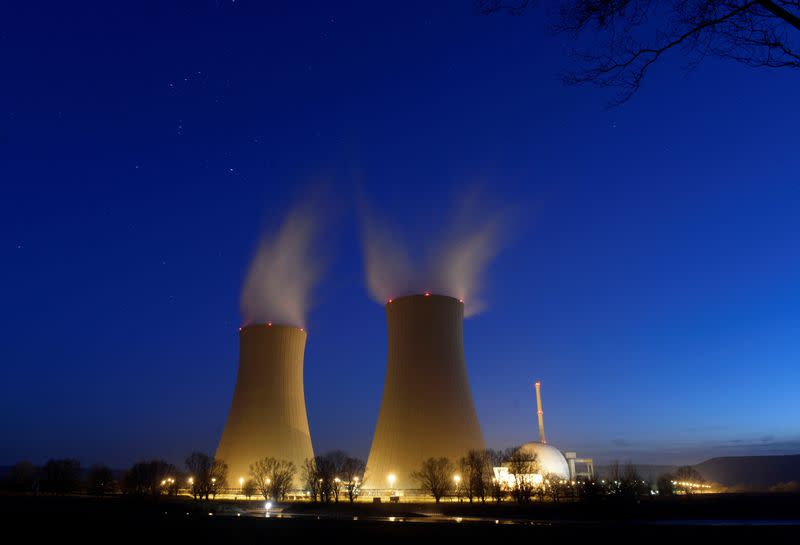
<point x="426" y="410"/>
<point x="268" y="413"/>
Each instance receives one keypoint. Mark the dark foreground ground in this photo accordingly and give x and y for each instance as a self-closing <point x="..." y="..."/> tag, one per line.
<point x="721" y="518"/>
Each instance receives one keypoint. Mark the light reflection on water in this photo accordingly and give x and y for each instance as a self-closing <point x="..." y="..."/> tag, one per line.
<point x="528" y="522"/>
<point x="724" y="522"/>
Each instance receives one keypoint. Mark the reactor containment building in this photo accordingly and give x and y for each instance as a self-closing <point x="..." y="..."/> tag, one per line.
<point x="268" y="413"/>
<point x="427" y="409"/>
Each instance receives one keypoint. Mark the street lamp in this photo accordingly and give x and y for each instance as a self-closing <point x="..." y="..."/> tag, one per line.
<point x="457" y="479"/>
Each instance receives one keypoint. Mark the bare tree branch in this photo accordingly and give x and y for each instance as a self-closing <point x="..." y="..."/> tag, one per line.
<point x="635" y="34"/>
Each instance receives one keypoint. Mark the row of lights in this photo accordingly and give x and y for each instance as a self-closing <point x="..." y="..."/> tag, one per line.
<point x="690" y="484"/>
<point x="269" y="324"/>
<point x="391" y="478"/>
<point x="427" y="294"/>
<point x="335" y="479"/>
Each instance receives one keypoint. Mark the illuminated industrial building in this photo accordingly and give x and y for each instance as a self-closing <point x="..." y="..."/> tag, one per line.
<point x="549" y="461"/>
<point x="426" y="410"/>
<point x="268" y="413"/>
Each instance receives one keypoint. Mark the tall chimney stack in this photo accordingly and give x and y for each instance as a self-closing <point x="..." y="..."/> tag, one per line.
<point x="538" y="385"/>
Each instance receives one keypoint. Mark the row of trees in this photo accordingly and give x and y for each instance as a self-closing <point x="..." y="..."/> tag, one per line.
<point x="685" y="480"/>
<point x="473" y="477"/>
<point x="335" y="475"/>
<point x="204" y="477"/>
<point x="59" y="476"/>
<point x="328" y="477"/>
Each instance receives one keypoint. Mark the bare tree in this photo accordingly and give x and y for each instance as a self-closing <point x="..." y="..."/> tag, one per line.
<point x="665" y="485"/>
<point x="207" y="475"/>
<point x="261" y="476"/>
<point x="687" y="474"/>
<point x="555" y="486"/>
<point x="330" y="466"/>
<point x="136" y="481"/>
<point x="311" y="479"/>
<point x="589" y="490"/>
<point x="282" y="479"/>
<point x="624" y="481"/>
<point x="614" y="484"/>
<point x="21" y="477"/>
<point x="634" y="486"/>
<point x="476" y="474"/>
<point x="352" y="475"/>
<point x="249" y="489"/>
<point x="495" y="487"/>
<point x="61" y="476"/>
<point x="435" y="476"/>
<point x="326" y="475"/>
<point x="272" y="478"/>
<point x="148" y="478"/>
<point x="635" y="34"/>
<point x="101" y="480"/>
<point x="522" y="465"/>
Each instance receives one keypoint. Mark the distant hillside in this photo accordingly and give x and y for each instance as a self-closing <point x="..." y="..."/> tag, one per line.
<point x="650" y="472"/>
<point x="756" y="472"/>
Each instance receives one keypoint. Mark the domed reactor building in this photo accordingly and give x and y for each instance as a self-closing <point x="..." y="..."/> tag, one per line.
<point x="426" y="409"/>
<point x="550" y="461"/>
<point x="268" y="412"/>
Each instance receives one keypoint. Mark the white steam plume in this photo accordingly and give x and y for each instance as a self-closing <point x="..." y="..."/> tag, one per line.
<point x="283" y="272"/>
<point x="453" y="263"/>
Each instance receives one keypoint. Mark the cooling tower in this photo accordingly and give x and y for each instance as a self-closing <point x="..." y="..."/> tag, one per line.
<point x="268" y="413"/>
<point x="427" y="408"/>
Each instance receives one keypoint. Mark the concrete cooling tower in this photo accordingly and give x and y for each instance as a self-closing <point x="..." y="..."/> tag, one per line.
<point x="427" y="408"/>
<point x="268" y="413"/>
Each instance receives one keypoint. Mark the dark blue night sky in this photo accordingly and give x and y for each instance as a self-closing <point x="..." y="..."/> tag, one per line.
<point x="651" y="278"/>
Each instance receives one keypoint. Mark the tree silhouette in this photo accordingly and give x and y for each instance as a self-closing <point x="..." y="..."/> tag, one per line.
<point x="632" y="35"/>
<point x="522" y="465"/>
<point x="687" y="474"/>
<point x="476" y="472"/>
<point x="148" y="478"/>
<point x="435" y="477"/>
<point x="272" y="478"/>
<point x="351" y="474"/>
<point x="61" y="476"/>
<point x="101" y="480"/>
<point x="21" y="477"/>
<point x="207" y="475"/>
